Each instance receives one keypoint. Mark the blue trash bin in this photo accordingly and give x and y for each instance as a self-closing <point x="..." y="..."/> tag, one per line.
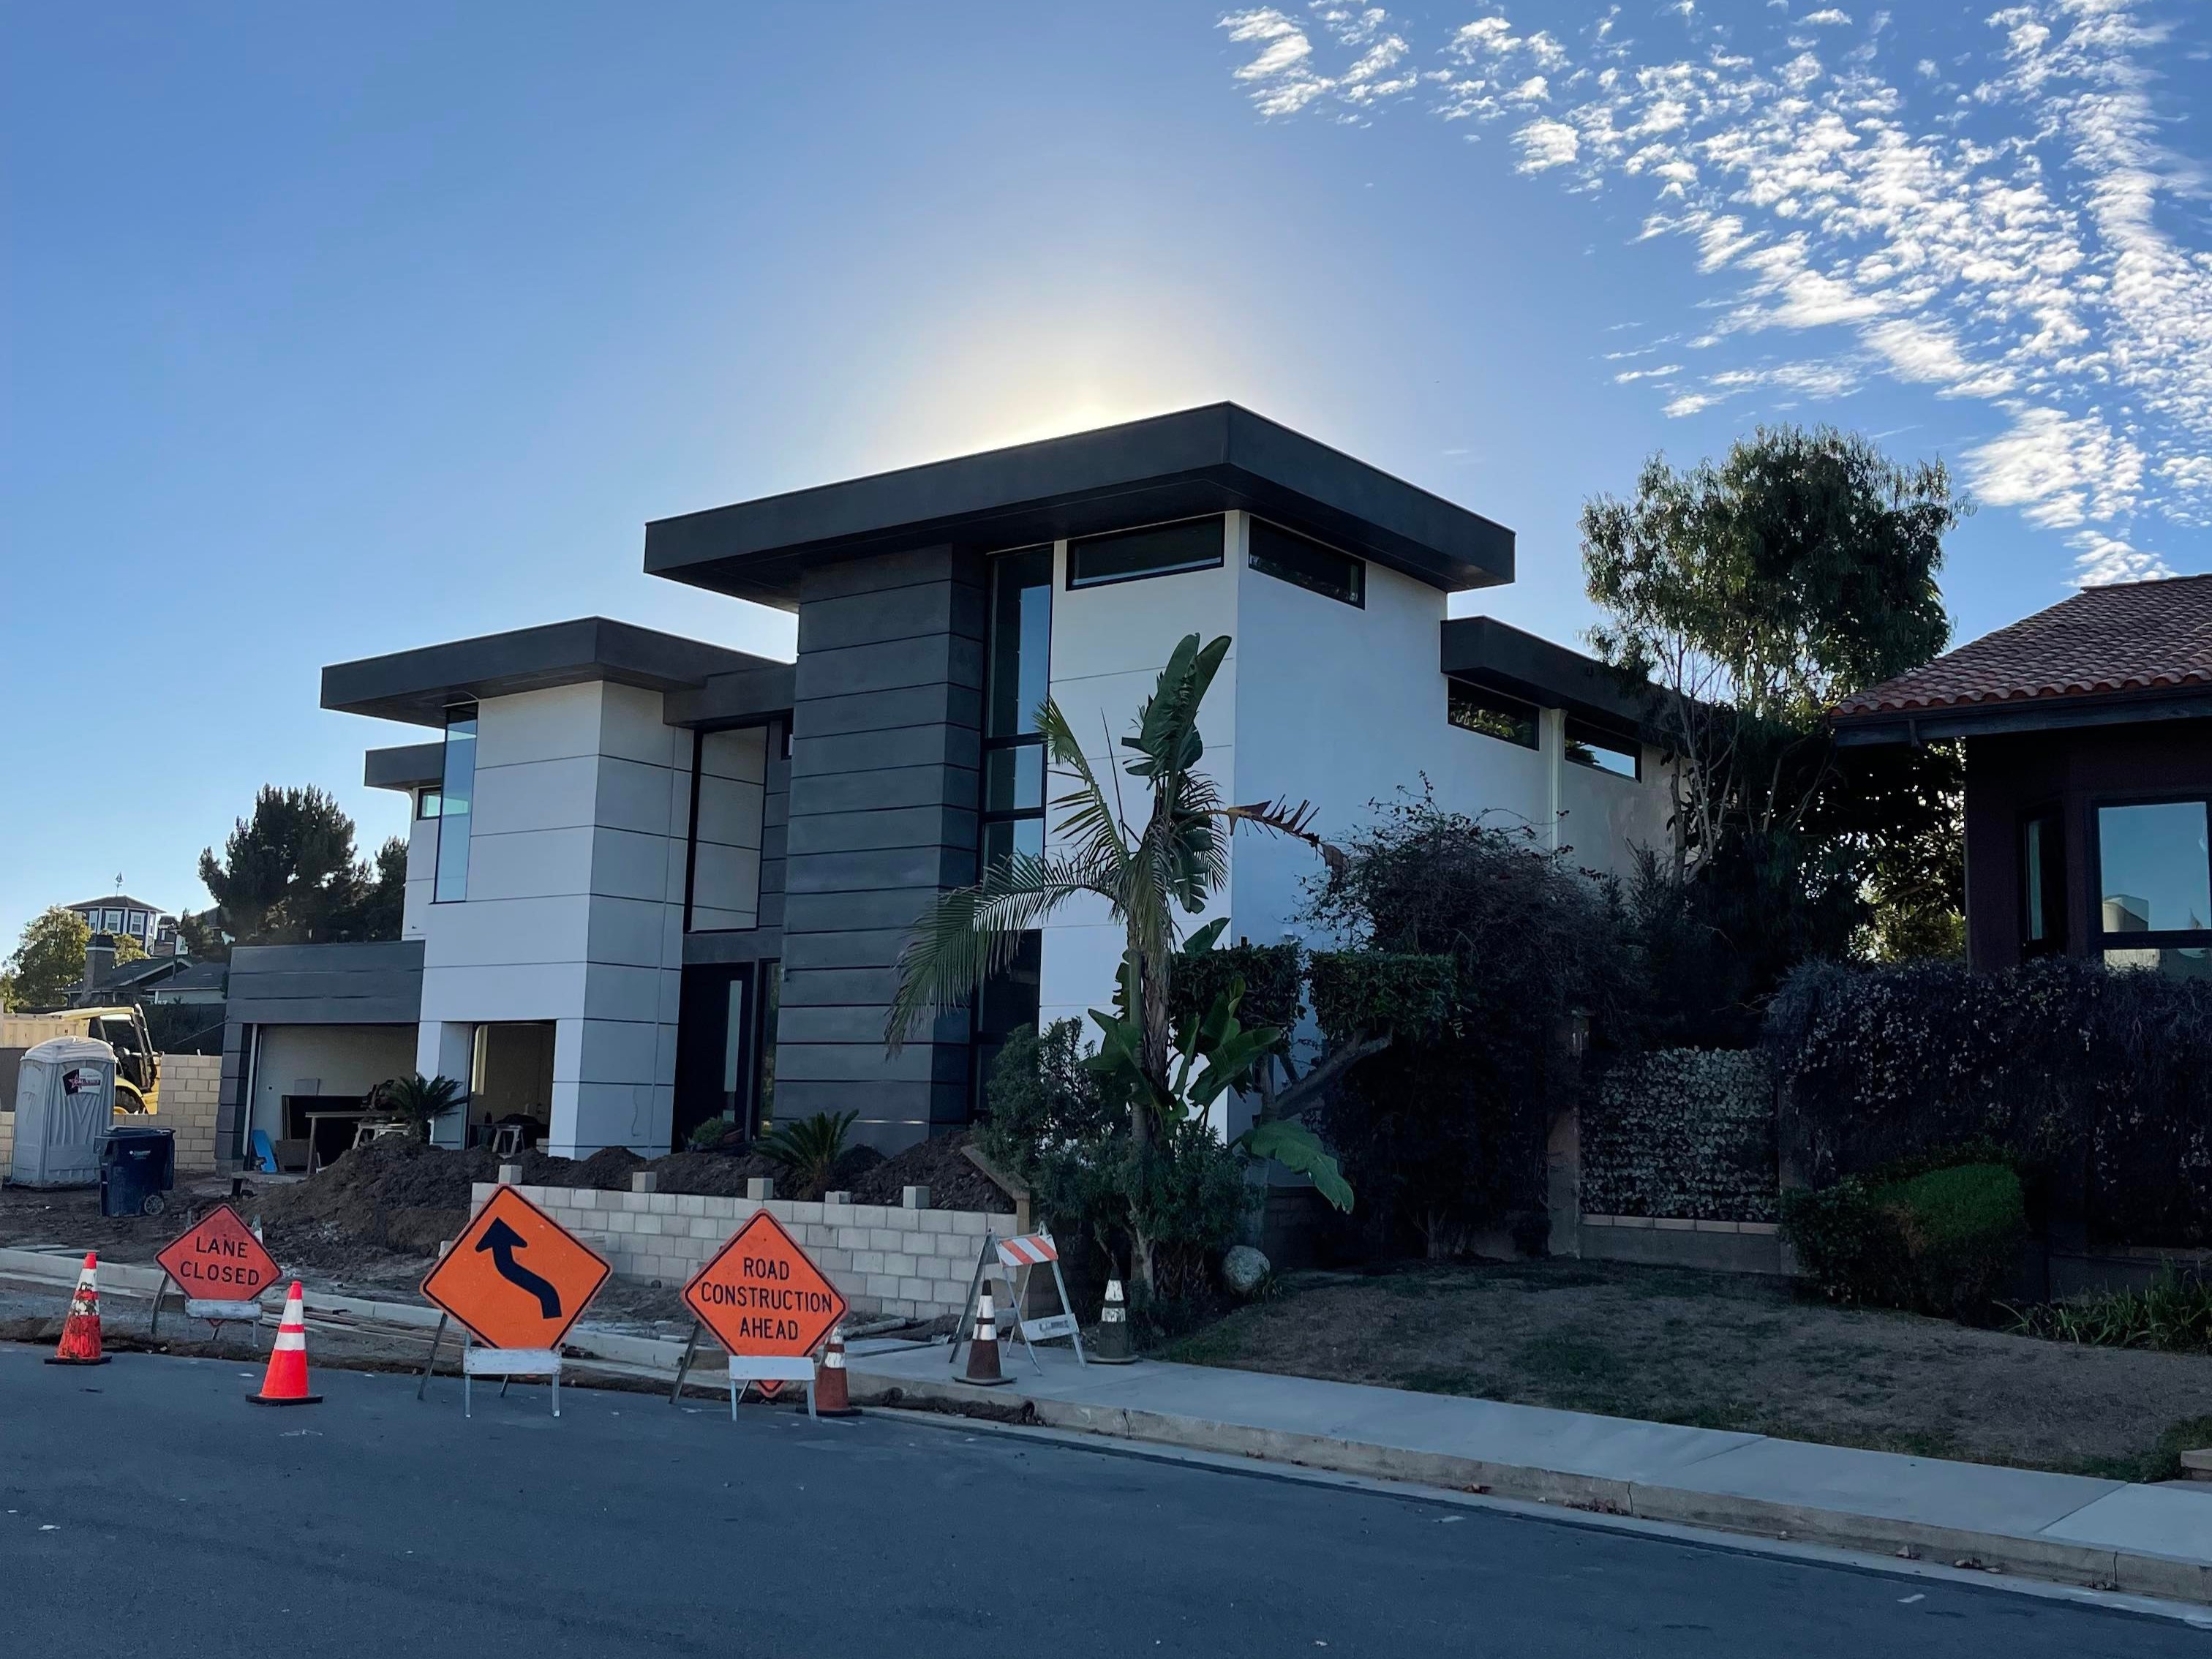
<point x="138" y="1167"/>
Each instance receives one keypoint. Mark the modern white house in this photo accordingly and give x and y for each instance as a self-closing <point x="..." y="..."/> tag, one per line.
<point x="654" y="881"/>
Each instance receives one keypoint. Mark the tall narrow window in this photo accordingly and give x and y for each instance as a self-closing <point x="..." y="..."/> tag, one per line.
<point x="456" y="795"/>
<point x="2042" y="885"/>
<point x="1013" y="784"/>
<point x="1019" y="676"/>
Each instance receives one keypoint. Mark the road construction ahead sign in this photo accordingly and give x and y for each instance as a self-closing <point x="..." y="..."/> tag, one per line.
<point x="515" y="1277"/>
<point x="219" y="1260"/>
<point x="762" y="1296"/>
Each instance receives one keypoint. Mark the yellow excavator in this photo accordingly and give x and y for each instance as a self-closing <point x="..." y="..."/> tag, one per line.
<point x="137" y="1068"/>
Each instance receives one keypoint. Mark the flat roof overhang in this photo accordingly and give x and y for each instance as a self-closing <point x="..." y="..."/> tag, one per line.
<point x="405" y="766"/>
<point x="1496" y="654"/>
<point x="1991" y="719"/>
<point x="1197" y="461"/>
<point x="417" y="686"/>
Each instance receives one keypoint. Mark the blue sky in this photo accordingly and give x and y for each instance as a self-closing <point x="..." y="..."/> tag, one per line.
<point x="332" y="331"/>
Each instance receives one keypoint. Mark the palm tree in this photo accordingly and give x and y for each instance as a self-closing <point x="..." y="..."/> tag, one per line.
<point x="1151" y="875"/>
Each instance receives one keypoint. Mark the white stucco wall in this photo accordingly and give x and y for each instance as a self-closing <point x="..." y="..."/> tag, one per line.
<point x="574" y="906"/>
<point x="1108" y="645"/>
<point x="1318" y="701"/>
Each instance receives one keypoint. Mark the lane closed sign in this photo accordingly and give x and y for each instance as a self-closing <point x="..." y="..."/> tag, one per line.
<point x="219" y="1260"/>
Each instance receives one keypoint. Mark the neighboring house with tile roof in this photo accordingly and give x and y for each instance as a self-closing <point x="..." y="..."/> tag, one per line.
<point x="2087" y="730"/>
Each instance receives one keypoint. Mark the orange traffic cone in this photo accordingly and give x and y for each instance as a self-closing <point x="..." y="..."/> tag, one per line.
<point x="983" y="1350"/>
<point x="831" y="1395"/>
<point x="80" y="1344"/>
<point x="285" y="1383"/>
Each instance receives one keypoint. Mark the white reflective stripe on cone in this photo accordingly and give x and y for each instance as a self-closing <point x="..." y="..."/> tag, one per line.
<point x="289" y="1340"/>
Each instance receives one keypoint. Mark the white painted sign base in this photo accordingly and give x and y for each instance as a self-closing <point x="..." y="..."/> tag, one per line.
<point x="509" y="1363"/>
<point x="216" y="1312"/>
<point x="764" y="1368"/>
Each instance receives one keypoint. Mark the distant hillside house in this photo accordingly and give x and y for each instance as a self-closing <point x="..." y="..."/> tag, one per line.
<point x="2088" y="737"/>
<point x="119" y="913"/>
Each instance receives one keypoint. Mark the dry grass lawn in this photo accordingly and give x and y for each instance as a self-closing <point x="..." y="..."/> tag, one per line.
<point x="1726" y="1352"/>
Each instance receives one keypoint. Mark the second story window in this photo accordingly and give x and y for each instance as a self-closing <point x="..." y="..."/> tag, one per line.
<point x="1478" y="708"/>
<point x="1164" y="549"/>
<point x="456" y="795"/>
<point x="1603" y="751"/>
<point x="1018" y="676"/>
<point x="1276" y="552"/>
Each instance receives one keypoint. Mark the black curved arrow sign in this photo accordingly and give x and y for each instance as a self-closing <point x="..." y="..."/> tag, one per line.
<point x="503" y="1240"/>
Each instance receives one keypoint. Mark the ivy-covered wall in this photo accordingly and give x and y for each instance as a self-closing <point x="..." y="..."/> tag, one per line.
<point x="1685" y="1132"/>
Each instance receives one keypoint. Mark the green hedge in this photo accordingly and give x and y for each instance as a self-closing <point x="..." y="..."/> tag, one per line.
<point x="1271" y="974"/>
<point x="1945" y="1241"/>
<point x="2097" y="1084"/>
<point x="1683" y="1132"/>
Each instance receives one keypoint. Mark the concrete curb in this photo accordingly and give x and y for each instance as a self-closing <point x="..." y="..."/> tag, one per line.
<point x="620" y="1354"/>
<point x="2089" y="1566"/>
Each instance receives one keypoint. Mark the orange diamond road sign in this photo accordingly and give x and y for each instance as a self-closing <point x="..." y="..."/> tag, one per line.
<point x="762" y="1295"/>
<point x="515" y="1277"/>
<point x="219" y="1260"/>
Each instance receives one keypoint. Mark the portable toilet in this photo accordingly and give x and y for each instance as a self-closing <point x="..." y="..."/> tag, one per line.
<point x="65" y="1106"/>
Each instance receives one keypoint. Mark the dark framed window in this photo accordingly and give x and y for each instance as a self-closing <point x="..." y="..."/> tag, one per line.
<point x="2042" y="883"/>
<point x="456" y="795"/>
<point x="1604" y="752"/>
<point x="1478" y="708"/>
<point x="1160" y="549"/>
<point x="1274" y="551"/>
<point x="426" y="803"/>
<point x="1017" y="680"/>
<point x="2154" y="865"/>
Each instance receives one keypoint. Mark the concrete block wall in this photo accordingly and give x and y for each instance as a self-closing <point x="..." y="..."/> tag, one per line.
<point x="914" y="1264"/>
<point x="191" y="1091"/>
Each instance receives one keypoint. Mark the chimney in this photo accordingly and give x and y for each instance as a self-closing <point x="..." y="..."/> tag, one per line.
<point x="98" y="960"/>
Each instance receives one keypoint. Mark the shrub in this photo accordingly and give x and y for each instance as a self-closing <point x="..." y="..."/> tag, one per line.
<point x="2173" y="1315"/>
<point x="807" y="1149"/>
<point x="2099" y="1084"/>
<point x="1943" y="1241"/>
<point x="1684" y="1131"/>
<point x="1062" y="1128"/>
<point x="1271" y="974"/>
<point x="1443" y="1131"/>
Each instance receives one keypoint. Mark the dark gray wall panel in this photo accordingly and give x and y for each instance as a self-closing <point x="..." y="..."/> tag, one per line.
<point x="895" y="786"/>
<point x="856" y="832"/>
<point x="891" y="613"/>
<point x="849" y="913"/>
<point x="946" y="744"/>
<point x="885" y="740"/>
<point x="884" y="711"/>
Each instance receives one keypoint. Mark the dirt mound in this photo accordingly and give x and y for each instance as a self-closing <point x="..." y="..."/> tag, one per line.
<point x="938" y="1164"/>
<point x="712" y="1174"/>
<point x="609" y="1169"/>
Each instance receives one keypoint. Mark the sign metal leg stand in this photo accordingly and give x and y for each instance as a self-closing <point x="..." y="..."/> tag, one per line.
<point x="683" y="1368"/>
<point x="436" y="1337"/>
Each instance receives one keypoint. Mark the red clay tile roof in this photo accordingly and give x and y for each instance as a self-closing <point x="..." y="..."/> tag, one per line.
<point x="2130" y="636"/>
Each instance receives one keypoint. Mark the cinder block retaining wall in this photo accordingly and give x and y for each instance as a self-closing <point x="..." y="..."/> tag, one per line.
<point x="190" y="1086"/>
<point x="915" y="1264"/>
<point x="1742" y="1246"/>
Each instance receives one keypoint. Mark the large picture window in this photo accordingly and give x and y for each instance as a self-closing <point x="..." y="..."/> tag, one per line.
<point x="2154" y="886"/>
<point x="455" y="796"/>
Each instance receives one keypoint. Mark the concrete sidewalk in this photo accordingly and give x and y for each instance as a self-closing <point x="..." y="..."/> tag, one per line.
<point x="2147" y="1541"/>
<point x="2150" y="1540"/>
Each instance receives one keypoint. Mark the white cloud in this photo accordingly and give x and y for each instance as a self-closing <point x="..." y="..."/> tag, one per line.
<point x="1545" y="144"/>
<point x="2100" y="559"/>
<point x="2007" y="227"/>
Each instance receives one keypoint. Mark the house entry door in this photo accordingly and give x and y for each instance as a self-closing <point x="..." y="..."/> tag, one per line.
<point x="716" y="1041"/>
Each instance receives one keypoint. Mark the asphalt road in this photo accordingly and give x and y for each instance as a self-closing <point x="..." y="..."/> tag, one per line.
<point x="145" y="1507"/>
